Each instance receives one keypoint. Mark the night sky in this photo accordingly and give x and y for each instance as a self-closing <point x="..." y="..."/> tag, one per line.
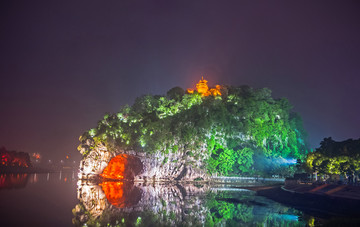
<point x="63" y="65"/>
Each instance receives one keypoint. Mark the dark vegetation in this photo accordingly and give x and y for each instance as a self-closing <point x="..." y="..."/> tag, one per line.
<point x="332" y="157"/>
<point x="14" y="159"/>
<point x="321" y="206"/>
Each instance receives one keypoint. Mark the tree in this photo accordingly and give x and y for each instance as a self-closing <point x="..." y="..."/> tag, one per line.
<point x="175" y="93"/>
<point x="335" y="157"/>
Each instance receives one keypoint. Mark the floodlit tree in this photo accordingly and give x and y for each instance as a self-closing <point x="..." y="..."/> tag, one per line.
<point x="335" y="157"/>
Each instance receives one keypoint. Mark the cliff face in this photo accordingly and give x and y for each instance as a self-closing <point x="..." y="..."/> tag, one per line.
<point x="139" y="166"/>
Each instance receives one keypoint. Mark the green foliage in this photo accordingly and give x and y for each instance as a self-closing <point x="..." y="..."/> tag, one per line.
<point x="165" y="160"/>
<point x="138" y="221"/>
<point x="335" y="157"/>
<point x="231" y="133"/>
<point x="175" y="93"/>
<point x="223" y="210"/>
<point x="244" y="159"/>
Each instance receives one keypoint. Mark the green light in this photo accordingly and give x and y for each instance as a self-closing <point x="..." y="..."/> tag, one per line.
<point x="138" y="221"/>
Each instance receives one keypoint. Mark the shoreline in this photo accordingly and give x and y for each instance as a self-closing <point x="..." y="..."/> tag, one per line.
<point x="318" y="205"/>
<point x="29" y="170"/>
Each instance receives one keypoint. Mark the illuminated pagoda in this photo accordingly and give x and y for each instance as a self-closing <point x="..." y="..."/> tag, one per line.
<point x="203" y="89"/>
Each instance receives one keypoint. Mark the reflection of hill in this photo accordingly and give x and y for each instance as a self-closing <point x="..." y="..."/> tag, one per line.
<point x="8" y="181"/>
<point x="121" y="194"/>
<point x="170" y="204"/>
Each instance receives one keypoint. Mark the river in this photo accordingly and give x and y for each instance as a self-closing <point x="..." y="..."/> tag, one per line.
<point x="60" y="199"/>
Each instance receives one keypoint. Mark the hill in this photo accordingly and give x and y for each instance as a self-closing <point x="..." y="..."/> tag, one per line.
<point x="191" y="134"/>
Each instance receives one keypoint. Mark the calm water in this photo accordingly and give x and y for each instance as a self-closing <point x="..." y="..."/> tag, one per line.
<point x="61" y="200"/>
<point x="37" y="199"/>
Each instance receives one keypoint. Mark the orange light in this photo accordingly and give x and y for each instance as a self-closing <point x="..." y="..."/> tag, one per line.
<point x="67" y="157"/>
<point x="115" y="168"/>
<point x="215" y="91"/>
<point x="203" y="89"/>
<point x="36" y="155"/>
<point x="114" y="193"/>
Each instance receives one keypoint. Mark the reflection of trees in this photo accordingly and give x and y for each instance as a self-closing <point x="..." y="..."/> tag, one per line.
<point x="240" y="209"/>
<point x="223" y="208"/>
<point x="13" y="180"/>
<point x="128" y="204"/>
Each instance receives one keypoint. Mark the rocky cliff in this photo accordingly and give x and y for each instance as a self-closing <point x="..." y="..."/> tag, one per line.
<point x="139" y="166"/>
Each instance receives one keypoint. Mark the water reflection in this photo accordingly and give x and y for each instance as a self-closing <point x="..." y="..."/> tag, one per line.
<point x="41" y="199"/>
<point x="20" y="180"/>
<point x="129" y="204"/>
<point x="121" y="194"/>
<point x="65" y="176"/>
<point x="11" y="181"/>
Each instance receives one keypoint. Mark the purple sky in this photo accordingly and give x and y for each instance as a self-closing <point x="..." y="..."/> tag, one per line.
<point x="64" y="64"/>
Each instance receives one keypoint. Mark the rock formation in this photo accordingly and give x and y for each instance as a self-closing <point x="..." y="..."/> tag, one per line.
<point x="151" y="168"/>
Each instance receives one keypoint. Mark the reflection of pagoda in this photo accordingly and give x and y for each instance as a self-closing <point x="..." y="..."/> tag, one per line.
<point x="203" y="89"/>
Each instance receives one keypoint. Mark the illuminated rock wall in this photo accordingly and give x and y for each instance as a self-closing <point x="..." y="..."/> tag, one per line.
<point x="158" y="167"/>
<point x="95" y="162"/>
<point x="152" y="167"/>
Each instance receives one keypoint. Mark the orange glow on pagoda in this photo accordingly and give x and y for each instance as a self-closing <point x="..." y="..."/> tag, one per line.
<point x="115" y="168"/>
<point x="203" y="89"/>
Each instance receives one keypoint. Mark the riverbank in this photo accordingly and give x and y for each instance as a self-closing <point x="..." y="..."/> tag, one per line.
<point x="30" y="170"/>
<point x="331" y="190"/>
<point x="334" y="209"/>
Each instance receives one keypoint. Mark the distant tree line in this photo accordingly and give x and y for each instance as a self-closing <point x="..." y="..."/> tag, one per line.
<point x="335" y="157"/>
<point x="14" y="158"/>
